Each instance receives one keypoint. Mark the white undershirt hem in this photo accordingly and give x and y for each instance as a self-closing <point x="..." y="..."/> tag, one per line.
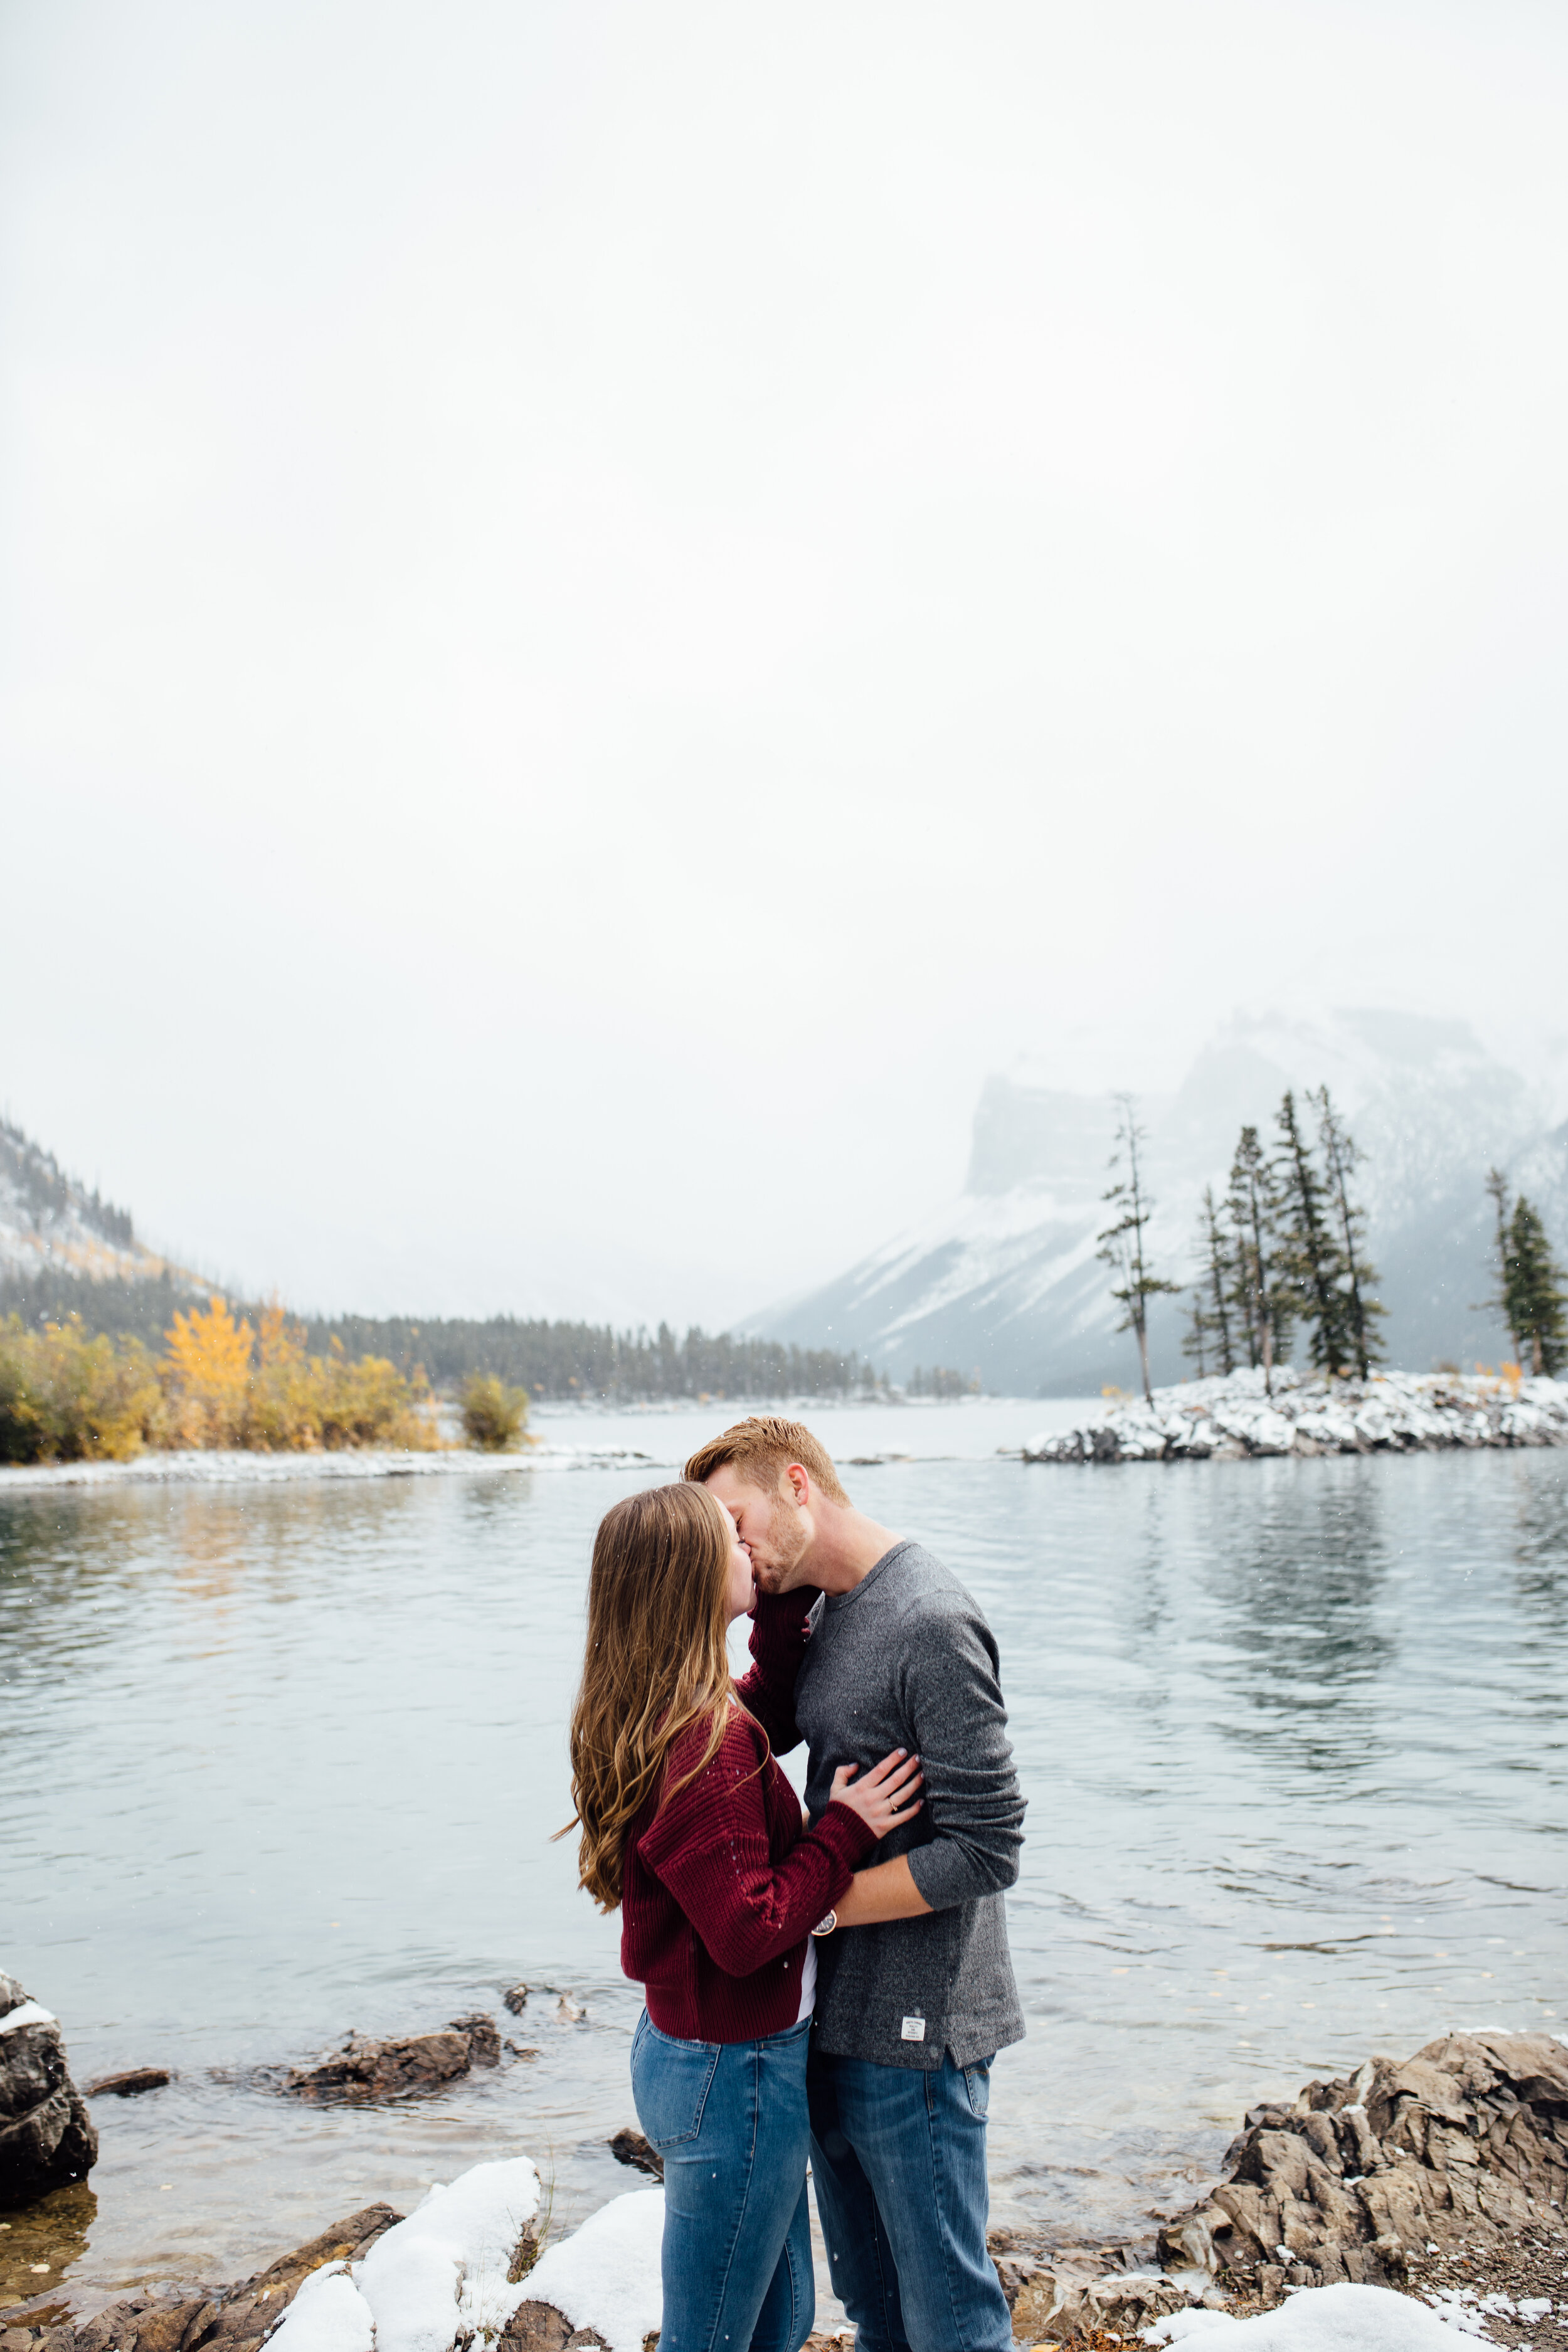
<point x="807" y="1982"/>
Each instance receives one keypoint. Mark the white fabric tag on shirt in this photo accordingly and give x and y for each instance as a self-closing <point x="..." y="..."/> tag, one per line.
<point x="914" y="2029"/>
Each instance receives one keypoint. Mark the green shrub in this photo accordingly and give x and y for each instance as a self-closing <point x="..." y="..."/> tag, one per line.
<point x="494" y="1414"/>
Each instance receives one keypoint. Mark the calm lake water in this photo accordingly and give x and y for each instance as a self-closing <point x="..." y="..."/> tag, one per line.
<point x="283" y="1760"/>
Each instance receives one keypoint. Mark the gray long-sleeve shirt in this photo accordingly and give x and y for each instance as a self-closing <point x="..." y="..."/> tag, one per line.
<point x="906" y="1660"/>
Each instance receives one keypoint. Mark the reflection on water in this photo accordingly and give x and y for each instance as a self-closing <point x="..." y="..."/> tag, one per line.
<point x="285" y="1761"/>
<point x="1305" y="1636"/>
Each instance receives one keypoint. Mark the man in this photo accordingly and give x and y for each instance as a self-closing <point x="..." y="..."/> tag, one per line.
<point x="863" y="1642"/>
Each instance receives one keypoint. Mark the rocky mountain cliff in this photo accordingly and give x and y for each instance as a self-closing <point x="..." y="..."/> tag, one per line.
<point x="1005" y="1280"/>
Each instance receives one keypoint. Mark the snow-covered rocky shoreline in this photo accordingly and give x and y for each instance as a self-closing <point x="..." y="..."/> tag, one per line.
<point x="1391" y="1413"/>
<point x="465" y="2273"/>
<point x="1383" y="2211"/>
<point x="232" y="1468"/>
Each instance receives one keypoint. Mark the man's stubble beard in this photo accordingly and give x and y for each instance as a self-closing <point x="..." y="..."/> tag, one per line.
<point x="786" y="1544"/>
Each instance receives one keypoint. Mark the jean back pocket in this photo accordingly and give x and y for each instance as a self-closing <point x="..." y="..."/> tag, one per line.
<point x="670" y="2083"/>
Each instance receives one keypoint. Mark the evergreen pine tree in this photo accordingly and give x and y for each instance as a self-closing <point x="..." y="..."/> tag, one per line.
<point x="1497" y="1186"/>
<point x="1195" y="1339"/>
<point x="1121" y="1244"/>
<point x="1532" y="1283"/>
<point x="1341" y="1157"/>
<point x="1211" y="1322"/>
<point x="1309" y="1256"/>
<point x="1260" y="1297"/>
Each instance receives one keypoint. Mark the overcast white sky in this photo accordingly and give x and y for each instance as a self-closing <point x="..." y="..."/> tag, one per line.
<point x="602" y="607"/>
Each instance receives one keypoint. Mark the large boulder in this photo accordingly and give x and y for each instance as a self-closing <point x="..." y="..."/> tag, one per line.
<point x="46" y="2139"/>
<point x="1464" y="2145"/>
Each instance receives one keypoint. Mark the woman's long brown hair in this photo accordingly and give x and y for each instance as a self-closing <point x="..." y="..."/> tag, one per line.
<point x="656" y="1664"/>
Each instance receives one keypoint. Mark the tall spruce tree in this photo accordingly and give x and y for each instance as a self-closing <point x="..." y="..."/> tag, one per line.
<point x="1533" y="1291"/>
<point x="1342" y="1157"/>
<point x="1121" y="1244"/>
<point x="1309" y="1254"/>
<point x="1497" y="1186"/>
<point x="1197" y="1338"/>
<point x="1261" y="1299"/>
<point x="1211" y="1319"/>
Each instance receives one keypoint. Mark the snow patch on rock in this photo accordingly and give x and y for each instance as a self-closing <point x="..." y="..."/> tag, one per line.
<point x="328" y="2313"/>
<point x="440" y="2275"/>
<point x="1319" y="2319"/>
<point x="606" y="2276"/>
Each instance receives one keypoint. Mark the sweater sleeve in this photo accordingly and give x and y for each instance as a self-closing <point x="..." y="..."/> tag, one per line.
<point x="778" y="1639"/>
<point x="974" y="1807"/>
<point x="708" y="1846"/>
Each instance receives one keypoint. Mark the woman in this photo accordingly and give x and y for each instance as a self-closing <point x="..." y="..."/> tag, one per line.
<point x="689" y="1826"/>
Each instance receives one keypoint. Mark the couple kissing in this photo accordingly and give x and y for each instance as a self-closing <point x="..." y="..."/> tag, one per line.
<point x="827" y="1989"/>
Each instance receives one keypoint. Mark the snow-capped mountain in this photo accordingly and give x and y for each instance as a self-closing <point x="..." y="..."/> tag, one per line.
<point x="48" y="1220"/>
<point x="1005" y="1280"/>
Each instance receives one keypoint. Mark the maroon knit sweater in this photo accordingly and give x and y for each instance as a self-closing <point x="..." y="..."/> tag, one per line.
<point x="721" y="1885"/>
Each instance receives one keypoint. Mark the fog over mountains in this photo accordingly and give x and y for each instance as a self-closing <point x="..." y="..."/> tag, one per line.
<point x="1005" y="1280"/>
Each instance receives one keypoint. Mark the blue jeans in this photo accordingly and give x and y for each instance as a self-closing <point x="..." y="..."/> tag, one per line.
<point x="898" y="2156"/>
<point x="729" y="2119"/>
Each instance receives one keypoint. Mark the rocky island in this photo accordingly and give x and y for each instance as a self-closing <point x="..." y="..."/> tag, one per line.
<point x="1242" y="1415"/>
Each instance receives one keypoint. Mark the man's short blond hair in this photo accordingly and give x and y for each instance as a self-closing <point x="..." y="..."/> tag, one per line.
<point x="761" y="1449"/>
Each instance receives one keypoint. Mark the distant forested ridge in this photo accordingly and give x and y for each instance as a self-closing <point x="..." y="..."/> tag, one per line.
<point x="552" y="1360"/>
<point x="117" y="1304"/>
<point x="565" y="1360"/>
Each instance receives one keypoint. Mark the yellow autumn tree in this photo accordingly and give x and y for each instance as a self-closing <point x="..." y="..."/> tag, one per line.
<point x="209" y="1367"/>
<point x="284" y="1406"/>
<point x="370" y="1402"/>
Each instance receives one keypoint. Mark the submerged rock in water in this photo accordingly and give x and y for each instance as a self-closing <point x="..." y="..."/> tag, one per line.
<point x="484" y="2041"/>
<point x="1391" y="1413"/>
<point x="1467" y="2143"/>
<point x="131" y="2084"/>
<point x="41" y="2245"/>
<point x="46" y="2136"/>
<point x="367" y="2068"/>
